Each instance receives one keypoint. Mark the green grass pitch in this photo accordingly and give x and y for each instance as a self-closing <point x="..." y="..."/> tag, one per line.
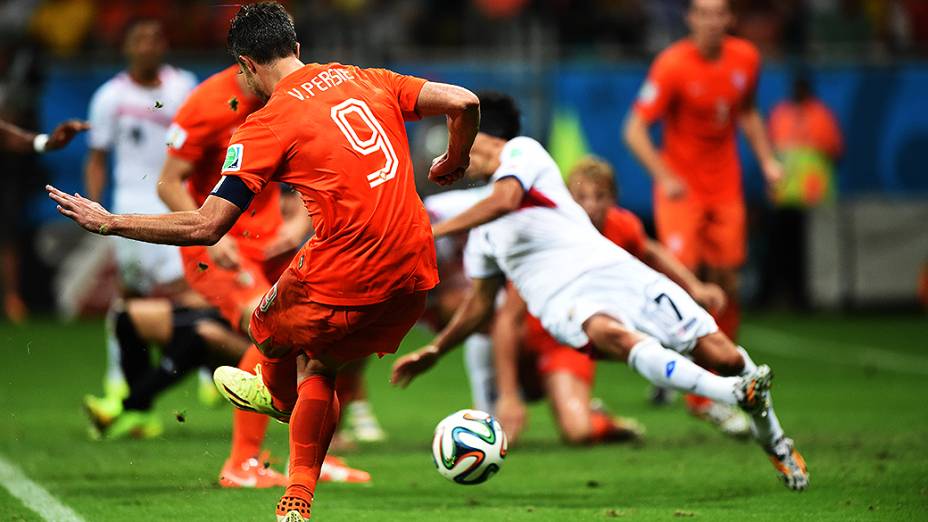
<point x="851" y="391"/>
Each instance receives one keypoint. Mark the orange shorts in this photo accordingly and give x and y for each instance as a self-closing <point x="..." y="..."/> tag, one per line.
<point x="230" y="291"/>
<point x="555" y="357"/>
<point x="699" y="233"/>
<point x="288" y="318"/>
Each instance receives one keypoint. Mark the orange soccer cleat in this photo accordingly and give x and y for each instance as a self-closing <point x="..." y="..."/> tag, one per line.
<point x="334" y="469"/>
<point x="252" y="473"/>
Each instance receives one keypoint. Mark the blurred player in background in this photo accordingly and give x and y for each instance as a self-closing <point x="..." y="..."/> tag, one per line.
<point x="337" y="135"/>
<point x="20" y="140"/>
<point x="529" y="230"/>
<point x="129" y="117"/>
<point x="703" y="88"/>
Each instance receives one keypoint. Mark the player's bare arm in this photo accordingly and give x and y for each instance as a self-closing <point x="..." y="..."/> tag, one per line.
<point x="95" y="173"/>
<point x="476" y="309"/>
<point x="506" y="197"/>
<point x="510" y="409"/>
<point x="203" y="226"/>
<point x="172" y="190"/>
<point x="463" y="111"/>
<point x="20" y="140"/>
<point x="659" y="258"/>
<point x="642" y="146"/>
<point x="752" y="123"/>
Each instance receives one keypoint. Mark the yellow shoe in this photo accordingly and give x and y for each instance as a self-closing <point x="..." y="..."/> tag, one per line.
<point x="115" y="388"/>
<point x="247" y="391"/>
<point x="134" y="424"/>
<point x="101" y="411"/>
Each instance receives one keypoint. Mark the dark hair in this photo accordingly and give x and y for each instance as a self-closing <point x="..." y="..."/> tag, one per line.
<point x="263" y="32"/>
<point x="139" y="21"/>
<point x="499" y="115"/>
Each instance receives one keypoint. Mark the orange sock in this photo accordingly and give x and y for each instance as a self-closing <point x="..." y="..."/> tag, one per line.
<point x="248" y="428"/>
<point x="312" y="425"/>
<point x="280" y="378"/>
<point x="602" y="426"/>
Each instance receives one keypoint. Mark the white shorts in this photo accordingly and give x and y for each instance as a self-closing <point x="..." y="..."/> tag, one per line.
<point x="143" y="266"/>
<point x="636" y="296"/>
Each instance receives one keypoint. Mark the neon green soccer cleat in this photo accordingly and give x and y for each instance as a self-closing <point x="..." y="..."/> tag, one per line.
<point x="247" y="391"/>
<point x="135" y="425"/>
<point x="101" y="411"/>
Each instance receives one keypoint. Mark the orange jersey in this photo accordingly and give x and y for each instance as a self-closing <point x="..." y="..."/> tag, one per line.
<point x="200" y="134"/>
<point x="699" y="101"/>
<point x="336" y="134"/>
<point x="625" y="229"/>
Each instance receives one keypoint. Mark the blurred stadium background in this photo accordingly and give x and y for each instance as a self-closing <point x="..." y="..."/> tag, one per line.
<point x="576" y="67"/>
<point x="848" y="242"/>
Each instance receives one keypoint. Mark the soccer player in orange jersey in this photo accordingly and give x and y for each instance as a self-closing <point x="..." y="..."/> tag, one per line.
<point x="702" y="88"/>
<point x="234" y="273"/>
<point x="337" y="135"/>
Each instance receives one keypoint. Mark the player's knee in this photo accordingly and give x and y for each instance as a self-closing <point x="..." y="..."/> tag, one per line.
<point x="611" y="338"/>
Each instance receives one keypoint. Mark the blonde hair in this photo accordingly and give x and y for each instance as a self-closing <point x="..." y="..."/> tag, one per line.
<point x="595" y="169"/>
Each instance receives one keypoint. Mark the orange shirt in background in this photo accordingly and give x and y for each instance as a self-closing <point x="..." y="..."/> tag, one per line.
<point x="623" y="228"/>
<point x="336" y="133"/>
<point x="805" y="124"/>
<point x="200" y="134"/>
<point x="699" y="101"/>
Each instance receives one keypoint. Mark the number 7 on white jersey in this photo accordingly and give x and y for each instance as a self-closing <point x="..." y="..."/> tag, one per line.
<point x="377" y="141"/>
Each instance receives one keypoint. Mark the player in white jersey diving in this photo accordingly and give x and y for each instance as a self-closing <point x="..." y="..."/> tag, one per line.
<point x="588" y="292"/>
<point x="129" y="118"/>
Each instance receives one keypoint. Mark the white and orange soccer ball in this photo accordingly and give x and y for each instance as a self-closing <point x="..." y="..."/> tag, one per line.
<point x="469" y="447"/>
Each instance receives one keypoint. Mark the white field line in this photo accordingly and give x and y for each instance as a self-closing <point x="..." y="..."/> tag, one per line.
<point x="783" y="343"/>
<point x="34" y="496"/>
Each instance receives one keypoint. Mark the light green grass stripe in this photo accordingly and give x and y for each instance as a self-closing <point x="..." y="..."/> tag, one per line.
<point x="34" y="496"/>
<point x="781" y="342"/>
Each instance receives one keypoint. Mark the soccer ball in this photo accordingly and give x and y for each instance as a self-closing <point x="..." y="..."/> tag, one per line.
<point x="469" y="447"/>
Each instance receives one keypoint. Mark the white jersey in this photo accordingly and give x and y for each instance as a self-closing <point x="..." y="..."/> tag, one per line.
<point x="546" y="244"/>
<point x="446" y="205"/>
<point x="131" y="122"/>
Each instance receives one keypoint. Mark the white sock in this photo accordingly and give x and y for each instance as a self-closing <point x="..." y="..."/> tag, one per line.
<point x="667" y="368"/>
<point x="113" y="355"/>
<point x="765" y="425"/>
<point x="478" y="358"/>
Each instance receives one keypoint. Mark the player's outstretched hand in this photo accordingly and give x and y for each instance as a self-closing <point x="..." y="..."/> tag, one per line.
<point x="673" y="187"/>
<point x="64" y="133"/>
<point x="510" y="410"/>
<point x="88" y="214"/>
<point x="409" y="366"/>
<point x="710" y="296"/>
<point x="446" y="171"/>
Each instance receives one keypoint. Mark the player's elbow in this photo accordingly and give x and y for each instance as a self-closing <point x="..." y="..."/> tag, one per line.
<point x="207" y="233"/>
<point x="463" y="100"/>
<point x="632" y="130"/>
